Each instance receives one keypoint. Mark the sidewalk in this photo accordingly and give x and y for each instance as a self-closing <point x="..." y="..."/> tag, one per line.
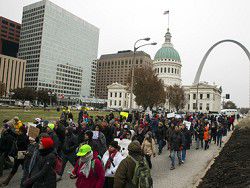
<point x="186" y="175"/>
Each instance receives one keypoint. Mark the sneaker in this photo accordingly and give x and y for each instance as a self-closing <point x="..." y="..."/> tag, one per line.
<point x="59" y="178"/>
<point x="172" y="168"/>
<point x="182" y="161"/>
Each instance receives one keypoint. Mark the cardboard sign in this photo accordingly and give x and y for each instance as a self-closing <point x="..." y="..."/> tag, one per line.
<point x="188" y="124"/>
<point x="33" y="132"/>
<point x="170" y="115"/>
<point x="124" y="114"/>
<point x="95" y="135"/>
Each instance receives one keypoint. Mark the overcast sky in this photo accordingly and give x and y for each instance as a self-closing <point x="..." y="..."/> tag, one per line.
<point x="195" y="26"/>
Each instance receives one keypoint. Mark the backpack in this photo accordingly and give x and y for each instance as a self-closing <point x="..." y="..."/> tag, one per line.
<point x="58" y="165"/>
<point x="142" y="176"/>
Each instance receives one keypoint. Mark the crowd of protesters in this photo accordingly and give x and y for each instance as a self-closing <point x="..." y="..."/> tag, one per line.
<point x="104" y="151"/>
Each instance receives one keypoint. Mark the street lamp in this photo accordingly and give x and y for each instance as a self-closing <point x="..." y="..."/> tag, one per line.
<point x="133" y="71"/>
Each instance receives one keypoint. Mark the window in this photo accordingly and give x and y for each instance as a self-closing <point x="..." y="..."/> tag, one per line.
<point x="208" y="96"/>
<point x="200" y="106"/>
<point x="194" y="96"/>
<point x="207" y="108"/>
<point x="110" y="94"/>
<point x="161" y="70"/>
<point x="165" y="70"/>
<point x="194" y="106"/>
<point x="110" y="103"/>
<point x="172" y="70"/>
<point x="120" y="103"/>
<point x="115" y="94"/>
<point x="120" y="95"/>
<point x="168" y="70"/>
<point x="115" y="102"/>
<point x="201" y="96"/>
<point x="188" y="106"/>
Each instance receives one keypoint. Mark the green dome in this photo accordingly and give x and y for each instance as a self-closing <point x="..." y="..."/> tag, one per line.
<point x="167" y="52"/>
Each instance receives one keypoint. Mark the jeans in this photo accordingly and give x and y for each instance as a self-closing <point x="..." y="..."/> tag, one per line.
<point x="206" y="145"/>
<point x="198" y="141"/>
<point x="160" y="145"/>
<point x="65" y="158"/>
<point x="148" y="159"/>
<point x="183" y="154"/>
<point x="219" y="140"/>
<point x="172" y="155"/>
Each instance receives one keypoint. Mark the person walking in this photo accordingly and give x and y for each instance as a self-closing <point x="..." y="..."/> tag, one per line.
<point x="219" y="135"/>
<point x="111" y="160"/>
<point x="88" y="170"/>
<point x="206" y="137"/>
<point x="68" y="150"/>
<point x="42" y="175"/>
<point x="186" y="145"/>
<point x="148" y="148"/>
<point x="160" y="136"/>
<point x="125" y="172"/>
<point x="176" y="145"/>
<point x="22" y="143"/>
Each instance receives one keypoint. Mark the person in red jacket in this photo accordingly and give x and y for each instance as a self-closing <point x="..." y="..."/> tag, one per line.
<point x="88" y="170"/>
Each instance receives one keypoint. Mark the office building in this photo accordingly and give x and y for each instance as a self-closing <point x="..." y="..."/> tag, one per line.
<point x="54" y="42"/>
<point x="12" y="72"/>
<point x="9" y="37"/>
<point x="112" y="68"/>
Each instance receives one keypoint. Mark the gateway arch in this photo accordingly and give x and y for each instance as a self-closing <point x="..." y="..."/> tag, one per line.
<point x="198" y="73"/>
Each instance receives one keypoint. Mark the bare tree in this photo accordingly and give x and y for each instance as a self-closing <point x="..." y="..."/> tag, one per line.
<point x="176" y="97"/>
<point x="148" y="88"/>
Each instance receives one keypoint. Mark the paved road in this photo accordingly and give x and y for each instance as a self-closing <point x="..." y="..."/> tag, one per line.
<point x="184" y="176"/>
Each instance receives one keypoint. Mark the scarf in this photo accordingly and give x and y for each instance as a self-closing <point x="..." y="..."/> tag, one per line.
<point x="110" y="159"/>
<point x="86" y="160"/>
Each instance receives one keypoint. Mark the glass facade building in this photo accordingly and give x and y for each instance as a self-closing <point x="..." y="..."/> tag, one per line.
<point x="52" y="37"/>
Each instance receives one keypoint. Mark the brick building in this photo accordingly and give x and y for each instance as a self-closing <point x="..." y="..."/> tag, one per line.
<point x="9" y="37"/>
<point x="112" y="68"/>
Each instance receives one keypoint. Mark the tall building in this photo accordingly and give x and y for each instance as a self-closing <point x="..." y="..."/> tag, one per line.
<point x="93" y="78"/>
<point x="167" y="63"/>
<point x="12" y="72"/>
<point x="112" y="68"/>
<point x="59" y="48"/>
<point x="9" y="37"/>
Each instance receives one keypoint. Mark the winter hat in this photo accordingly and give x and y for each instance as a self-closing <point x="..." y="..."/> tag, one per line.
<point x="134" y="147"/>
<point x="115" y="145"/>
<point x="47" y="142"/>
<point x="51" y="126"/>
<point x="84" y="150"/>
<point x="89" y="133"/>
<point x="45" y="122"/>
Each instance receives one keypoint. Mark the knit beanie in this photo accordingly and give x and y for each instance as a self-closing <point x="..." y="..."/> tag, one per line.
<point x="47" y="142"/>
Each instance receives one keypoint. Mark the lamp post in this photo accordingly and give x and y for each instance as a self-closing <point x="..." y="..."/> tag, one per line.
<point x="133" y="67"/>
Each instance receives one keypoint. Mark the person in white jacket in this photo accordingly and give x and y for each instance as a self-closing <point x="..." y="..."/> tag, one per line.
<point x="111" y="160"/>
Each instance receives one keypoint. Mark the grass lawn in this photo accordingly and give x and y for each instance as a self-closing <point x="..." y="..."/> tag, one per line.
<point x="30" y="115"/>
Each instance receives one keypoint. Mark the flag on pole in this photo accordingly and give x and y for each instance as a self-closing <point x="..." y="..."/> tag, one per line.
<point x="166" y="12"/>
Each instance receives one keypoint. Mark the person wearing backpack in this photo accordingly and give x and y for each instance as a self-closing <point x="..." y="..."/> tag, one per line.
<point x="111" y="160"/>
<point x="42" y="173"/>
<point x="133" y="171"/>
<point x="88" y="170"/>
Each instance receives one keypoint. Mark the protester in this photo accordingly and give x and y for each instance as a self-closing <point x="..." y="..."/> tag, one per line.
<point x="88" y="170"/>
<point x="21" y="144"/>
<point x="206" y="137"/>
<point x="68" y="150"/>
<point x="176" y="145"/>
<point x="148" y="148"/>
<point x="160" y="136"/>
<point x="187" y="142"/>
<point x="111" y="160"/>
<point x="125" y="172"/>
<point x="42" y="174"/>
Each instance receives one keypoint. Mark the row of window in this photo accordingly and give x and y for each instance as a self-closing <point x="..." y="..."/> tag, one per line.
<point x="62" y="76"/>
<point x="31" y="35"/>
<point x="201" y="96"/>
<point x="32" y="10"/>
<point x="69" y="67"/>
<point x="125" y="62"/>
<point x="29" y="52"/>
<point x="31" y="23"/>
<point x="167" y="70"/>
<point x="29" y="48"/>
<point x="5" y="22"/>
<point x="117" y="94"/>
<point x="200" y="106"/>
<point x="30" y="40"/>
<point x="31" y="17"/>
<point x="31" y="27"/>
<point x="29" y="44"/>
<point x="33" y="30"/>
